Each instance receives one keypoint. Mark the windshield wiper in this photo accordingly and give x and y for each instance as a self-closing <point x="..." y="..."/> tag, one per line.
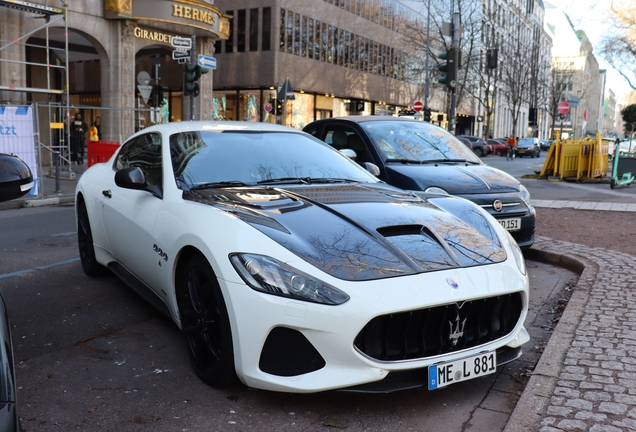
<point x="220" y="184"/>
<point x="408" y="161"/>
<point x="330" y="180"/>
<point x="284" y="180"/>
<point x="454" y="161"/>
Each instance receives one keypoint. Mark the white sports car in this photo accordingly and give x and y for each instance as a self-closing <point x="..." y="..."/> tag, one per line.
<point x="290" y="266"/>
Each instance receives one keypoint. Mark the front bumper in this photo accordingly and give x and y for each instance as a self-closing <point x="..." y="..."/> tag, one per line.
<point x="291" y="346"/>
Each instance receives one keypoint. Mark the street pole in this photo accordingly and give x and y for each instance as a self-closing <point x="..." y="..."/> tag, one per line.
<point x="193" y="59"/>
<point x="428" y="46"/>
<point x="455" y="45"/>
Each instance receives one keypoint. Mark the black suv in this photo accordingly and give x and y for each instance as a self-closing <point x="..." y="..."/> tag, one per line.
<point x="419" y="156"/>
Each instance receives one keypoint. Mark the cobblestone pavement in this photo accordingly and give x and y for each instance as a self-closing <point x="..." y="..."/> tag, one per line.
<point x="586" y="378"/>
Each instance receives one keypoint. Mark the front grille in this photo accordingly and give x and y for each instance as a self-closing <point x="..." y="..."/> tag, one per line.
<point x="440" y="330"/>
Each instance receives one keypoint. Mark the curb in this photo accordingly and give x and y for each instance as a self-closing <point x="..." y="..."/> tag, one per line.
<point x="533" y="403"/>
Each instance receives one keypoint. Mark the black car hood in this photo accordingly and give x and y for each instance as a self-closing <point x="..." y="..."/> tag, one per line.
<point x="363" y="231"/>
<point x="455" y="178"/>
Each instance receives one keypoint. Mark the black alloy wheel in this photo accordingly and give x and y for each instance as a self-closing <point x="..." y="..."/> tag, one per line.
<point x="85" y="242"/>
<point x="205" y="323"/>
<point x="478" y="152"/>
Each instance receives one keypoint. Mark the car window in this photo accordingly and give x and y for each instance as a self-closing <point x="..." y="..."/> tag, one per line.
<point x="202" y="157"/>
<point x="407" y="141"/>
<point x="143" y="152"/>
<point x="345" y="138"/>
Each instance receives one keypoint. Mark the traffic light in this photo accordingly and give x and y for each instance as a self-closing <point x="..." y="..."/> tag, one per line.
<point x="427" y="114"/>
<point x="191" y="74"/>
<point x="157" y="95"/>
<point x="279" y="107"/>
<point x="449" y="67"/>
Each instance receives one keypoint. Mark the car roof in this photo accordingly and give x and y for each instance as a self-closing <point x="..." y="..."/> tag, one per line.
<point x="219" y="126"/>
<point x="363" y="119"/>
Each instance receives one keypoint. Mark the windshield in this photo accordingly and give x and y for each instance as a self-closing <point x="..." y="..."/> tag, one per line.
<point x="235" y="158"/>
<point x="413" y="141"/>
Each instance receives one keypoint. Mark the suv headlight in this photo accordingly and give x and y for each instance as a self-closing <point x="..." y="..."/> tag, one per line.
<point x="268" y="275"/>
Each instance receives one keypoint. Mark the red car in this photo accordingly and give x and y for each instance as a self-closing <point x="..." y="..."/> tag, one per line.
<point x="499" y="147"/>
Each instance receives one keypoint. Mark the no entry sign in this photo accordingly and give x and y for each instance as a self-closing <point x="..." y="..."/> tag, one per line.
<point x="563" y="107"/>
<point x="417" y="106"/>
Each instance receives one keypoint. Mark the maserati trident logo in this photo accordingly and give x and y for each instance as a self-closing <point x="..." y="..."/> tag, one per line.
<point x="497" y="205"/>
<point x="456" y="330"/>
<point x="452" y="283"/>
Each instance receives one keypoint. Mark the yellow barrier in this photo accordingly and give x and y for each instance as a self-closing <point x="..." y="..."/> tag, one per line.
<point x="584" y="158"/>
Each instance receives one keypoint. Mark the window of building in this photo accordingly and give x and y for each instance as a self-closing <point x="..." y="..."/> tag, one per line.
<point x="283" y="29"/>
<point x="317" y="40"/>
<point x="327" y="32"/>
<point x="303" y="32"/>
<point x="336" y="45"/>
<point x="297" y="34"/>
<point x="229" y="43"/>
<point x="310" y="38"/>
<point x="253" y="29"/>
<point x="266" y="28"/>
<point x="290" y="32"/>
<point x="241" y="31"/>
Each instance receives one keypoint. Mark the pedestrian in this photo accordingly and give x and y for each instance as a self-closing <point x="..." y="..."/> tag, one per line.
<point x="79" y="128"/>
<point x="97" y="124"/>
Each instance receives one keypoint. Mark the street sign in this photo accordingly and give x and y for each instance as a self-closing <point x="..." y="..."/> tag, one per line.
<point x="418" y="116"/>
<point x="145" y="91"/>
<point x="180" y="54"/>
<point x="207" y="61"/>
<point x="181" y="42"/>
<point x="417" y="106"/>
<point x="286" y="91"/>
<point x="268" y="107"/>
<point x="563" y="107"/>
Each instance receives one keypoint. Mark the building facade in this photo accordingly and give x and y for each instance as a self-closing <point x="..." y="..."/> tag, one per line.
<point x="102" y="50"/>
<point x="341" y="57"/>
<point x="582" y="83"/>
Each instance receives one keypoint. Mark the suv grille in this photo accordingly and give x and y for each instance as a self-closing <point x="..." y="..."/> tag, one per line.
<point x="440" y="330"/>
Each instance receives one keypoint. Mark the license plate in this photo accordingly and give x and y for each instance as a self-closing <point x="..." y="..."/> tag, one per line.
<point x="510" y="224"/>
<point x="445" y="374"/>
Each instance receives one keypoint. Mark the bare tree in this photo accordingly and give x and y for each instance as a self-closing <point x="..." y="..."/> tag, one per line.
<point x="619" y="47"/>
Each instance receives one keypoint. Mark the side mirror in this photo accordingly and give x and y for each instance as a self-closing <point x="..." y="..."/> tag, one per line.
<point x="16" y="179"/>
<point x="134" y="178"/>
<point x="349" y="153"/>
<point x="372" y="168"/>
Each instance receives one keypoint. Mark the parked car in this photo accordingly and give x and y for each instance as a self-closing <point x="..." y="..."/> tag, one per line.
<point x="16" y="180"/>
<point x="477" y="145"/>
<point x="528" y="147"/>
<point x="545" y="144"/>
<point x="288" y="265"/>
<point x="499" y="147"/>
<point x="420" y="156"/>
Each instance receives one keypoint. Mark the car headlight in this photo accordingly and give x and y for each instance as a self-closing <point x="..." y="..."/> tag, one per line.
<point x="518" y="255"/>
<point x="436" y="190"/>
<point x="525" y="195"/>
<point x="268" y="275"/>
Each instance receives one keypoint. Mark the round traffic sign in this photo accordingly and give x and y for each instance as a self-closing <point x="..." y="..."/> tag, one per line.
<point x="417" y="106"/>
<point x="563" y="107"/>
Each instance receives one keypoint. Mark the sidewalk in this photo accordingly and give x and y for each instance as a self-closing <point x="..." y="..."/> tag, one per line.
<point x="586" y="377"/>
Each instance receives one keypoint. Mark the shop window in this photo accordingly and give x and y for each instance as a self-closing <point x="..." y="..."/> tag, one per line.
<point x="266" y="28"/>
<point x="253" y="29"/>
<point x="241" y="30"/>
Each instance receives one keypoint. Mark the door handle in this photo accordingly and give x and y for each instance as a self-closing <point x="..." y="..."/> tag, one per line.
<point x="107" y="194"/>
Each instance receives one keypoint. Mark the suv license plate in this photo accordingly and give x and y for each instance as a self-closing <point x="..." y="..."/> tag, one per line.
<point x="444" y="374"/>
<point x="510" y="224"/>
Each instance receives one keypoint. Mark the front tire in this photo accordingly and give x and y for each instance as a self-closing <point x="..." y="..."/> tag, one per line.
<point x="205" y="323"/>
<point x="478" y="152"/>
<point x="85" y="242"/>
